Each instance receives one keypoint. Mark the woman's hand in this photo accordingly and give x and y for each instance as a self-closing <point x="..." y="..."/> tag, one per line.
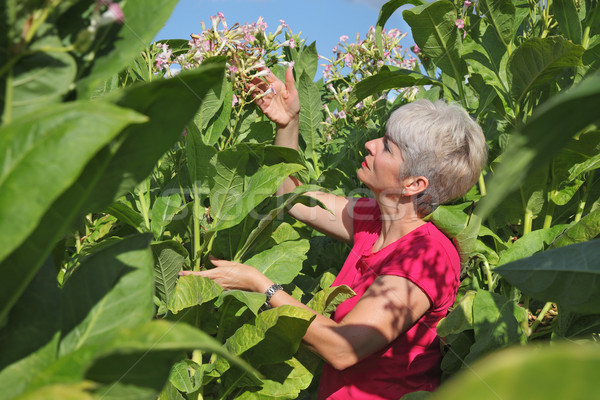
<point x="281" y="104"/>
<point x="231" y="275"/>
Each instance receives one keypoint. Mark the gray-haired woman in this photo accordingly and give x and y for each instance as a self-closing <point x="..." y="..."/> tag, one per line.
<point x="381" y="343"/>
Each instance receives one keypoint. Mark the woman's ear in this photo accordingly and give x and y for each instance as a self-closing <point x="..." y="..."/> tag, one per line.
<point x="415" y="185"/>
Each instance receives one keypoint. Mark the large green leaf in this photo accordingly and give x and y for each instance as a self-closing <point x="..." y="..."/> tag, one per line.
<point x="460" y="318"/>
<point x="42" y="78"/>
<point x="326" y="301"/>
<point x="43" y="155"/>
<point x="495" y="324"/>
<point x="434" y="30"/>
<point x="28" y="348"/>
<point x="587" y="228"/>
<point x="124" y="213"/>
<point x="311" y="116"/>
<point x="568" y="276"/>
<point x="164" y="208"/>
<point x="191" y="291"/>
<point x="386" y="79"/>
<point x="228" y="181"/>
<point x="115" y="170"/>
<point x="143" y="20"/>
<point x="563" y="371"/>
<point x="169" y="257"/>
<point x="537" y="61"/>
<point x="260" y="186"/>
<point x="385" y="13"/>
<point x="565" y="13"/>
<point x="500" y="14"/>
<point x="307" y="61"/>
<point x="110" y="290"/>
<point x="531" y="243"/>
<point x="551" y="126"/>
<point x="282" y="262"/>
<point x="273" y="337"/>
<point x="141" y="356"/>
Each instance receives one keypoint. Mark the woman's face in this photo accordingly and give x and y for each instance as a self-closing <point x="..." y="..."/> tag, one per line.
<point x="381" y="168"/>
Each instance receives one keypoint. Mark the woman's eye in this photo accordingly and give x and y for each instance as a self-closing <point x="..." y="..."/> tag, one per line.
<point x="386" y="146"/>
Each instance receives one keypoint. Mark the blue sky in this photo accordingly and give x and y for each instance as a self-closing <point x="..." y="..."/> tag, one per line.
<point x="323" y="21"/>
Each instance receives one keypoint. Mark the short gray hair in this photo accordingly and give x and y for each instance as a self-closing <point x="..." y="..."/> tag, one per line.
<point x="442" y="143"/>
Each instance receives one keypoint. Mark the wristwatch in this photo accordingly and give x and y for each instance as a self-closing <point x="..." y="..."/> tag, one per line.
<point x="274" y="288"/>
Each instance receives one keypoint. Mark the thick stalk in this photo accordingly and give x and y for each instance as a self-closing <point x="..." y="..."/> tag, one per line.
<point x="540" y="317"/>
<point x="482" y="189"/>
<point x="143" y="205"/>
<point x="488" y="273"/>
<point x="549" y="214"/>
<point x="197" y="358"/>
<point x="196" y="222"/>
<point x="527" y="221"/>
<point x="583" y="201"/>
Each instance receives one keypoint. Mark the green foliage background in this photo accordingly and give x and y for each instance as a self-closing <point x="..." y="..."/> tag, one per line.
<point x="103" y="202"/>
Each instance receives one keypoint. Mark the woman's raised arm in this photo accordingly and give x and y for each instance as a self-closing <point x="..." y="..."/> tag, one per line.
<point x="281" y="104"/>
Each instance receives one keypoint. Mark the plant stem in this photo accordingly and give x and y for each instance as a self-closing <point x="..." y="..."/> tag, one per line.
<point x="143" y="205"/>
<point x="549" y="213"/>
<point x="540" y="317"/>
<point x="488" y="273"/>
<point x="196" y="218"/>
<point x="482" y="189"/>
<point x="527" y="221"/>
<point x="583" y="201"/>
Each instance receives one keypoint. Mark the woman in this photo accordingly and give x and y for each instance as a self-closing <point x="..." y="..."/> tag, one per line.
<point x="381" y="343"/>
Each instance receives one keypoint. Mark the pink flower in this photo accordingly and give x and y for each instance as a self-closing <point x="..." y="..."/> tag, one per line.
<point x="348" y="58"/>
<point x="292" y="43"/>
<point x="221" y="15"/>
<point x="343" y="38"/>
<point x="467" y="3"/>
<point x="416" y="49"/>
<point x="233" y="69"/>
<point x="260" y="24"/>
<point x="234" y="101"/>
<point x="460" y="23"/>
<point x="342" y="114"/>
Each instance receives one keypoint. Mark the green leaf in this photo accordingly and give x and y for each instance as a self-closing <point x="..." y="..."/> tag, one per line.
<point x="43" y="155"/>
<point x="163" y="210"/>
<point x="110" y="290"/>
<point x="568" y="276"/>
<point x="228" y="181"/>
<point x="282" y="381"/>
<point x="186" y="376"/>
<point x="307" y="61"/>
<point x="500" y="14"/>
<point x="141" y="356"/>
<point x="192" y="290"/>
<point x="219" y="122"/>
<point x="274" y="337"/>
<point x="385" y="13"/>
<point x="560" y="371"/>
<point x="387" y="79"/>
<point x="311" y="116"/>
<point x="42" y="78"/>
<point x="169" y="257"/>
<point x="460" y="318"/>
<point x="537" y="61"/>
<point x="495" y="324"/>
<point x="282" y="262"/>
<point x="550" y="127"/>
<point x="434" y="30"/>
<point x="587" y="228"/>
<point x="326" y="301"/>
<point x="143" y="20"/>
<point x="565" y="13"/>
<point x="29" y="348"/>
<point x="124" y="213"/>
<point x="77" y="391"/>
<point x="260" y="186"/>
<point x="531" y="243"/>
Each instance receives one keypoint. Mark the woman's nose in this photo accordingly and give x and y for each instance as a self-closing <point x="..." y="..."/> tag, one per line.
<point x="370" y="146"/>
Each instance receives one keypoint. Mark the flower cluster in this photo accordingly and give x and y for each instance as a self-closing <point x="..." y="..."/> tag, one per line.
<point x="352" y="62"/>
<point x="460" y="22"/>
<point x="105" y="12"/>
<point x="248" y="48"/>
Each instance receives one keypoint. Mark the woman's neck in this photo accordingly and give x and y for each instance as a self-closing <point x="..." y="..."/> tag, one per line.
<point x="397" y="220"/>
